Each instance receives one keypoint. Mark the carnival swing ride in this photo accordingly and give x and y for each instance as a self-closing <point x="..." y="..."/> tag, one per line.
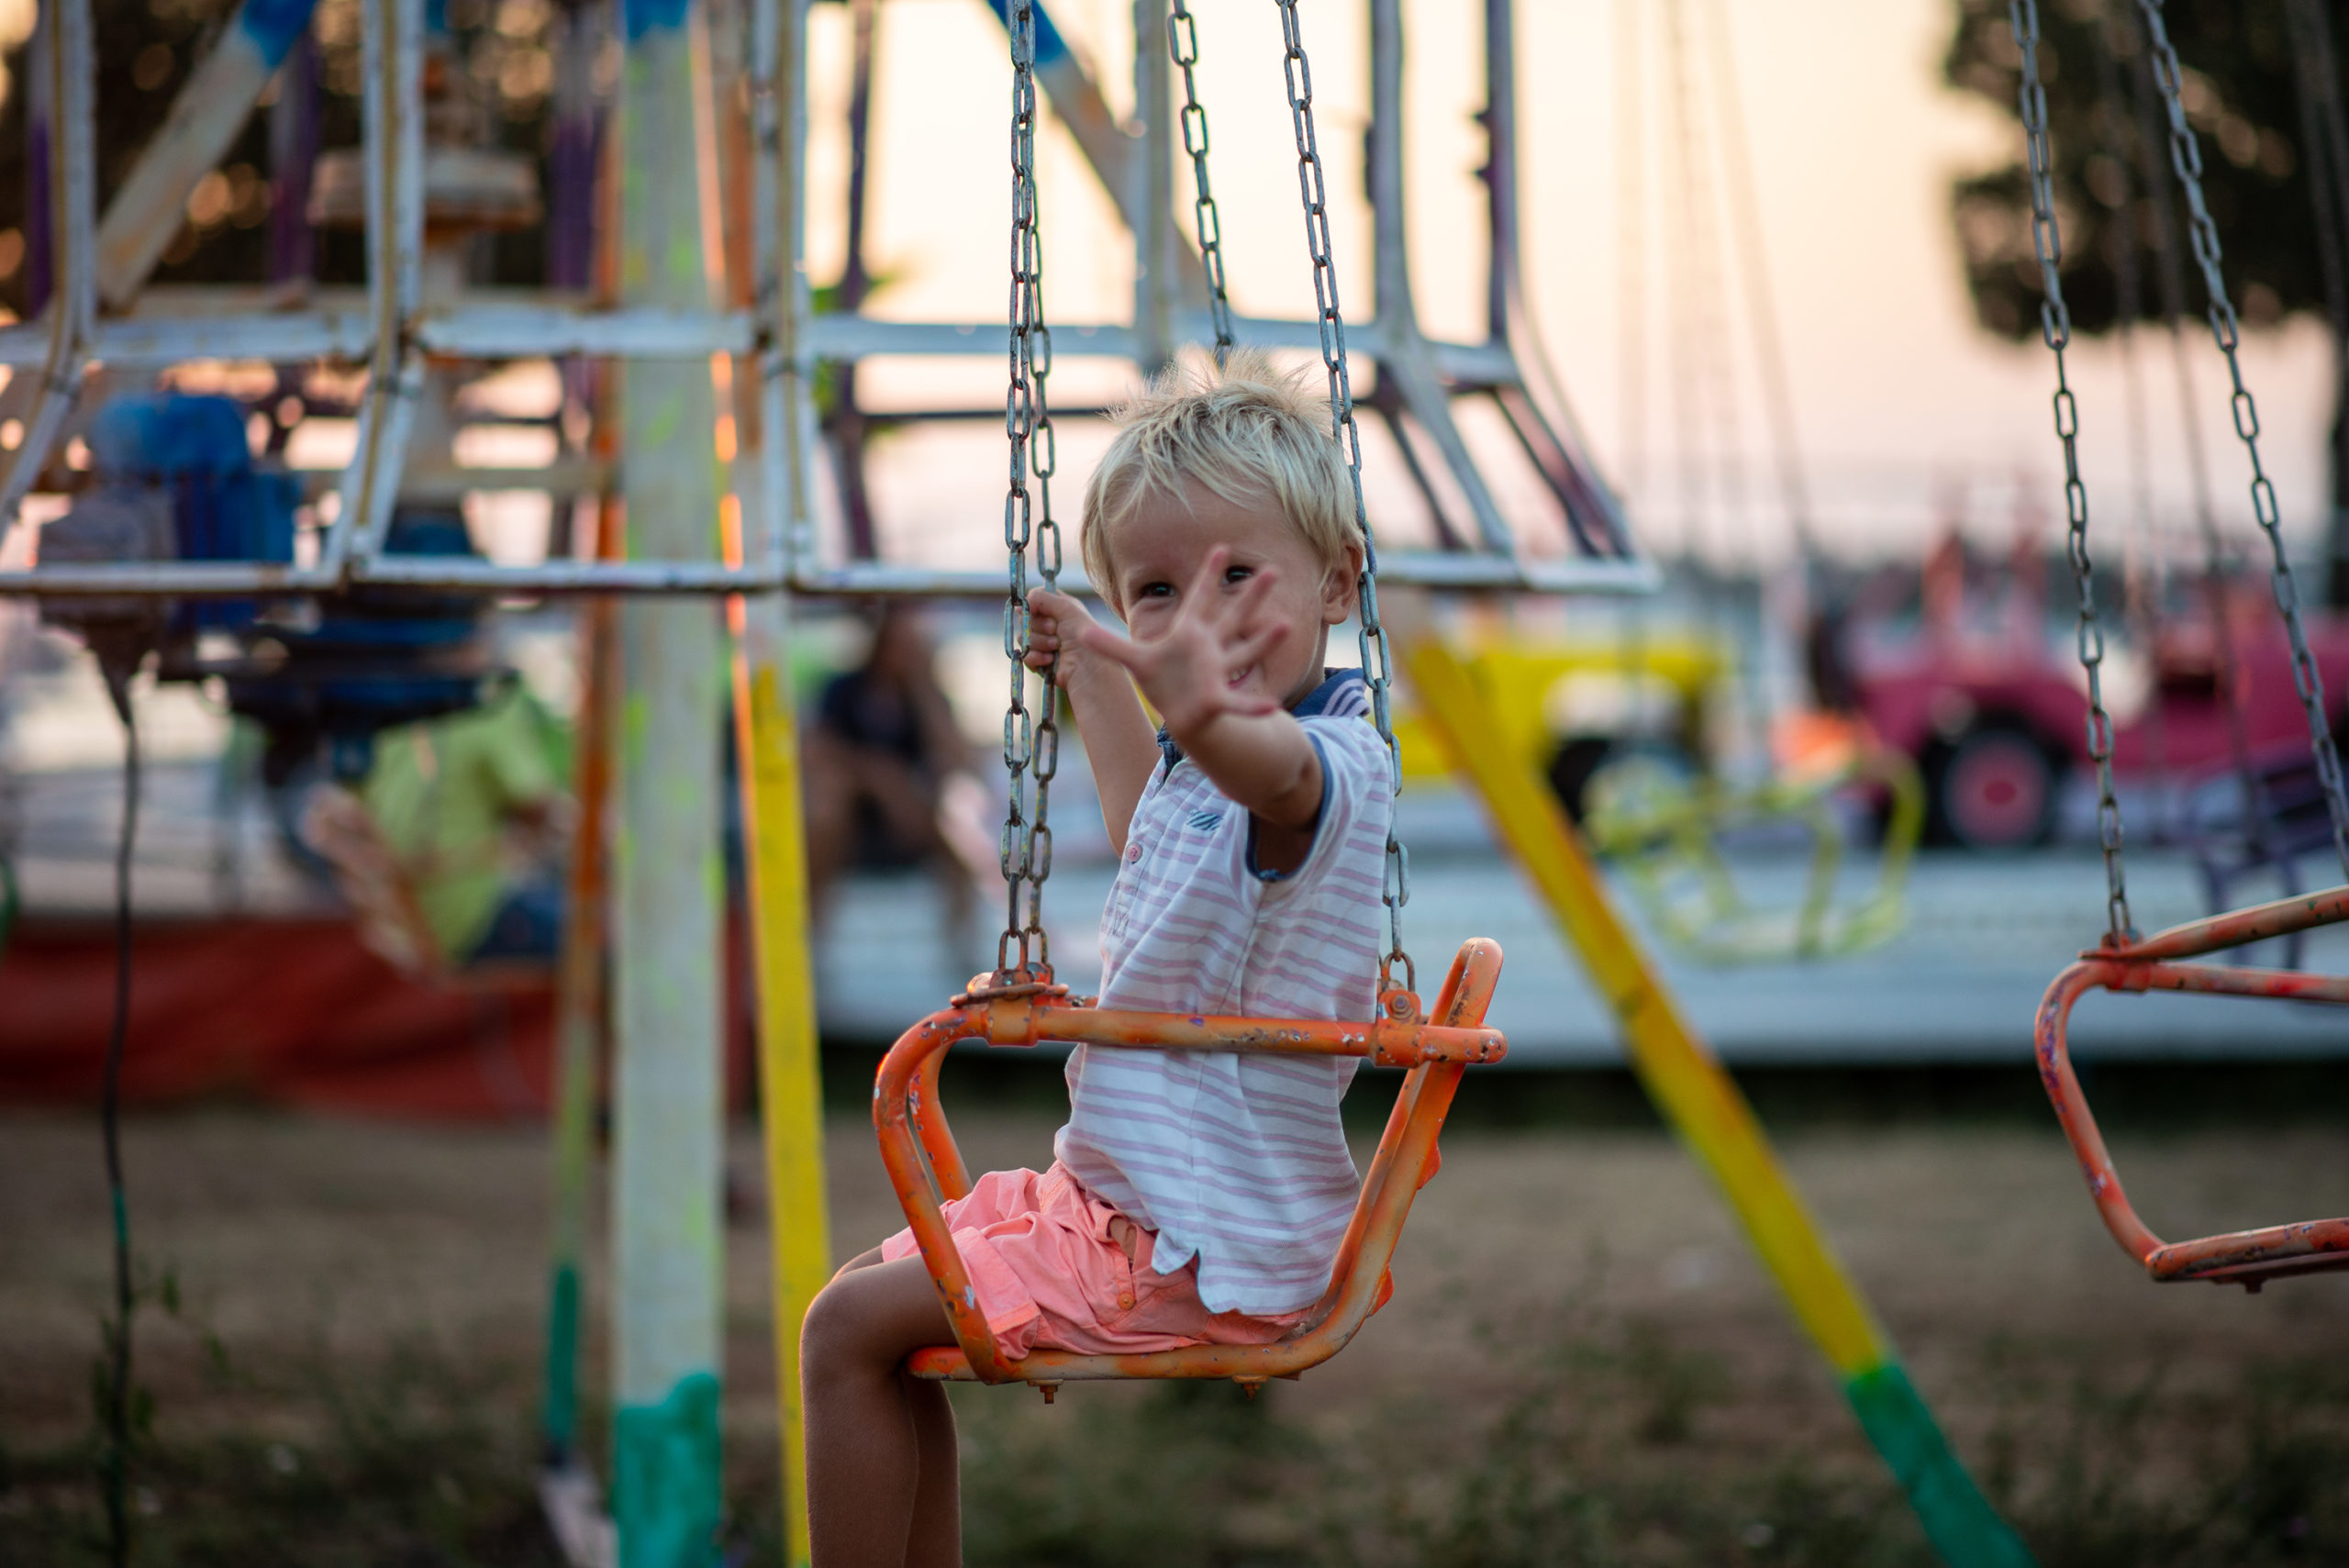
<point x="719" y="323"/>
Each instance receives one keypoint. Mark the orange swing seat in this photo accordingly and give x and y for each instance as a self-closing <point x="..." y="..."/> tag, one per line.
<point x="927" y="1168"/>
<point x="2247" y="1258"/>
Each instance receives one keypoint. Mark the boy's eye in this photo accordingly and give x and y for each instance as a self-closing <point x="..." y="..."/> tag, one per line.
<point x="1155" y="590"/>
<point x="1237" y="573"/>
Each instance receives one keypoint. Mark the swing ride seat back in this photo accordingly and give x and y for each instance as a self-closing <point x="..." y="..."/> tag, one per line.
<point x="927" y="1169"/>
<point x="2289" y="819"/>
<point x="1669" y="835"/>
<point x="2245" y="1257"/>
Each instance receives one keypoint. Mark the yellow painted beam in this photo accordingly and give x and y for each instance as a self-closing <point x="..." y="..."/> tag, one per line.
<point x="1677" y="1068"/>
<point x="790" y="1077"/>
<point x="1703" y="1105"/>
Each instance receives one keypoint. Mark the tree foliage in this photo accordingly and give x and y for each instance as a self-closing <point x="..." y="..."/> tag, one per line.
<point x="2109" y="132"/>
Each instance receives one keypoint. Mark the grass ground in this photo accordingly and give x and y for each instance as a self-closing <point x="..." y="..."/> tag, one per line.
<point x="1581" y="1364"/>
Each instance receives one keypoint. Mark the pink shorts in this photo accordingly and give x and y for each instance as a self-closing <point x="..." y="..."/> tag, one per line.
<point x="1049" y="1275"/>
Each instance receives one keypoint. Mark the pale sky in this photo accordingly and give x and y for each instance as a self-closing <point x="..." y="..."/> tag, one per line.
<point x="1900" y="403"/>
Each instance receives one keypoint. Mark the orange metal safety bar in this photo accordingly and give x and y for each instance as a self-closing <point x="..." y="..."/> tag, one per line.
<point x="927" y="1170"/>
<point x="2246" y="1258"/>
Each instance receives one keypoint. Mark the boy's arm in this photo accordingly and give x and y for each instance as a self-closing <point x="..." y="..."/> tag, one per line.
<point x="1119" y="740"/>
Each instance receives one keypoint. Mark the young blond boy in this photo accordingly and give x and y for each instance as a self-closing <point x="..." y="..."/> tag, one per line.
<point x="1194" y="1196"/>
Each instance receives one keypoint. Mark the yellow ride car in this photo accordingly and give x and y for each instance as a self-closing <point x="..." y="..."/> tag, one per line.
<point x="1566" y="702"/>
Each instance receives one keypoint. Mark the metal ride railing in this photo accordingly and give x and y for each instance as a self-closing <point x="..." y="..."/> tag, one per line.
<point x="927" y="1169"/>
<point x="392" y="330"/>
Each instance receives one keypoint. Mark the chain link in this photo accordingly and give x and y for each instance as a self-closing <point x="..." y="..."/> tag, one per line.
<point x="2056" y="328"/>
<point x="1030" y="742"/>
<point x="1312" y="184"/>
<point x="1182" y="43"/>
<point x="2185" y="161"/>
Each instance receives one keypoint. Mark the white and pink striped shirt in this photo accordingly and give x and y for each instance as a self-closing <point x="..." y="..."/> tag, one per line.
<point x="1239" y="1160"/>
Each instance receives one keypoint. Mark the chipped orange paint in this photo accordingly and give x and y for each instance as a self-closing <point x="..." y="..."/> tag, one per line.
<point x="927" y="1168"/>
<point x="2247" y="1258"/>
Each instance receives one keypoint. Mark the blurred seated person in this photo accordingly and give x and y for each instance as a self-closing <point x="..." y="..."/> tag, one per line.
<point x="888" y="776"/>
<point x="464" y="808"/>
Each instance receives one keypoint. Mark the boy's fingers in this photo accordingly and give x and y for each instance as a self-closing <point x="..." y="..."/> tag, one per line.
<point x="1250" y="644"/>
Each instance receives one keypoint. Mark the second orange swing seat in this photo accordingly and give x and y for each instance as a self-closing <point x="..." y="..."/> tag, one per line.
<point x="927" y="1169"/>
<point x="2125" y="962"/>
<point x="2246" y="1258"/>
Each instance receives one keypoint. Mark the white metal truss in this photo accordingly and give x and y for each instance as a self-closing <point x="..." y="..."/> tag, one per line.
<point x="394" y="330"/>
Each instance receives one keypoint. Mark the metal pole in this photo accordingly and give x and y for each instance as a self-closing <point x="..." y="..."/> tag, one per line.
<point x="205" y="119"/>
<point x="72" y="162"/>
<point x="668" y="913"/>
<point x="40" y="131"/>
<point x="767" y="741"/>
<point x="1405" y="355"/>
<point x="791" y="1102"/>
<point x="1502" y="256"/>
<point x="1150" y="175"/>
<point x="848" y="424"/>
<point x="580" y="1028"/>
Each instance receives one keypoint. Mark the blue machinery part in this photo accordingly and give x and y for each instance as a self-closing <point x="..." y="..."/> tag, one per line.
<point x="174" y="478"/>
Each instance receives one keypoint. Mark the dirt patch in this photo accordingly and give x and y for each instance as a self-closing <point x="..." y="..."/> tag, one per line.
<point x="1581" y="1362"/>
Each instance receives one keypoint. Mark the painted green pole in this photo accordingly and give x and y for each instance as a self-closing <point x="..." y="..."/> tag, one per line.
<point x="668" y="909"/>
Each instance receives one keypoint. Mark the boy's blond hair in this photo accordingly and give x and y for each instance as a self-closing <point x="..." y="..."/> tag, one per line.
<point x="1245" y="433"/>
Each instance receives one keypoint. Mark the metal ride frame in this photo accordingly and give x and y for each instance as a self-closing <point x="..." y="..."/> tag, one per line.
<point x="1176" y="303"/>
<point x="394" y="331"/>
<point x="2125" y="962"/>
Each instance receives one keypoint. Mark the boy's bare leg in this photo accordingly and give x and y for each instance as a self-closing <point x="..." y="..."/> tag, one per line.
<point x="936" y="1539"/>
<point x="881" y="1461"/>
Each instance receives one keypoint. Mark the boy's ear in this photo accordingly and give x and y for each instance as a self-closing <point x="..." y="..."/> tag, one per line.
<point x="1339" y="587"/>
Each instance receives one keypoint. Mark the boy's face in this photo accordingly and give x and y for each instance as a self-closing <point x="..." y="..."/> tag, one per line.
<point x="1158" y="548"/>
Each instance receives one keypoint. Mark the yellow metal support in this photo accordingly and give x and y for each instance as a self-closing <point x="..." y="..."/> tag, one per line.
<point x="1676" y="1067"/>
<point x="1700" y="1101"/>
<point x="790" y="1086"/>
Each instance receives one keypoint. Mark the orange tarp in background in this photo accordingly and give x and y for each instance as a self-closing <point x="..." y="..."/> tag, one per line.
<point x="291" y="1011"/>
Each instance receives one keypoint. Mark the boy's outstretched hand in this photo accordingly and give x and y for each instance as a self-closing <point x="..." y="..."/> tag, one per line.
<point x="1196" y="669"/>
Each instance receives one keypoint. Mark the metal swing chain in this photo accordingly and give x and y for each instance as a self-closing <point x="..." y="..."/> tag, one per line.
<point x="2056" y="328"/>
<point x="1030" y="743"/>
<point x="1395" y="883"/>
<point x="1182" y="44"/>
<point x="2185" y="159"/>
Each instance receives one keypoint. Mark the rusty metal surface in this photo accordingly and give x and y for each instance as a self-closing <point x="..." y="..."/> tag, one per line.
<point x="927" y="1170"/>
<point x="2246" y="1258"/>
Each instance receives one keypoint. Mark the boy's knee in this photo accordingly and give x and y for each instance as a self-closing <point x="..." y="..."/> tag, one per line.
<point x="828" y="1332"/>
